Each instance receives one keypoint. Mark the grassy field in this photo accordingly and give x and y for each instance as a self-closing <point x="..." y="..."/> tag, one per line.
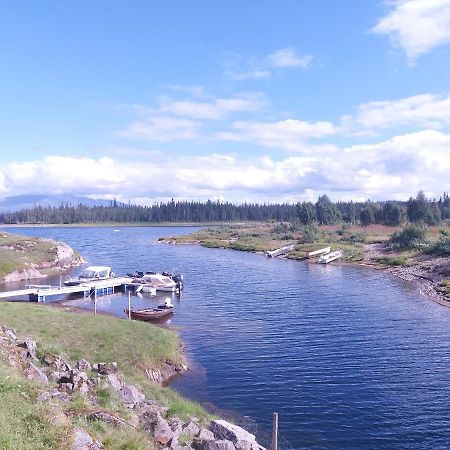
<point x="133" y="345"/>
<point x="16" y="252"/>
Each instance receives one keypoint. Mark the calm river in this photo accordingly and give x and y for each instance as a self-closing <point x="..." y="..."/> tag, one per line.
<point x="349" y="357"/>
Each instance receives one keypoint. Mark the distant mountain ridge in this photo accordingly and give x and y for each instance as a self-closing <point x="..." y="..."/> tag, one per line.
<point x="18" y="202"/>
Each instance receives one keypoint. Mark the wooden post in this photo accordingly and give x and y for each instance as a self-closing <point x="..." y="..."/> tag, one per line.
<point x="129" y="305"/>
<point x="275" y="432"/>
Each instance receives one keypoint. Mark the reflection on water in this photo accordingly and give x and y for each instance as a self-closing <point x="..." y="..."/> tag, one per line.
<point x="348" y="357"/>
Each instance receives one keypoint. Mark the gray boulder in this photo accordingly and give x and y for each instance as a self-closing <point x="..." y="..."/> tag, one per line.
<point x="191" y="429"/>
<point x="162" y="432"/>
<point x="82" y="440"/>
<point x="115" y="381"/>
<point x="207" y="444"/>
<point x="83" y="365"/>
<point x="205" y="434"/>
<point x="33" y="372"/>
<point x="176" y="425"/>
<point x="56" y="362"/>
<point x="242" y="439"/>
<point x="130" y="395"/>
<point x="30" y="346"/>
<point x="10" y="333"/>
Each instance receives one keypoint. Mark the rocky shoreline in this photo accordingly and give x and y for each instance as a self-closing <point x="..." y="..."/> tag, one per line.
<point x="63" y="257"/>
<point x="59" y="380"/>
<point x="426" y="272"/>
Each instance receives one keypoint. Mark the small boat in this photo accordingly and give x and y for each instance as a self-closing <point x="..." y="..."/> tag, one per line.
<point x="91" y="273"/>
<point x="147" y="315"/>
<point x="280" y="251"/>
<point x="151" y="313"/>
<point x="320" y="252"/>
<point x="325" y="259"/>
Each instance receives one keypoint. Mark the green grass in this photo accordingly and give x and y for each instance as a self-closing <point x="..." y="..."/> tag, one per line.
<point x="16" y="252"/>
<point x="133" y="345"/>
<point x="392" y="260"/>
<point x="24" y="424"/>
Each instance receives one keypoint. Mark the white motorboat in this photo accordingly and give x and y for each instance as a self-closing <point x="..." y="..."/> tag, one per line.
<point x="91" y="273"/>
<point x="329" y="257"/>
<point x="320" y="252"/>
<point x="159" y="281"/>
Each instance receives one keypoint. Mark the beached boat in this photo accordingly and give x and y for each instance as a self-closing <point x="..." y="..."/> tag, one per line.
<point x="91" y="273"/>
<point x="147" y="315"/>
<point x="329" y="257"/>
<point x="280" y="251"/>
<point x="320" y="252"/>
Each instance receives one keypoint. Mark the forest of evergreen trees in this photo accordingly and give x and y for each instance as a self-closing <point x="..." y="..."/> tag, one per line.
<point x="324" y="212"/>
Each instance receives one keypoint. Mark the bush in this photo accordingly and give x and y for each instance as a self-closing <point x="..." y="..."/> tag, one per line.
<point x="411" y="237"/>
<point x="441" y="247"/>
<point x="310" y="234"/>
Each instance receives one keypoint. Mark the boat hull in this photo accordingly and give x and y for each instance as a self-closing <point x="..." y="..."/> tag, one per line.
<point x="146" y="315"/>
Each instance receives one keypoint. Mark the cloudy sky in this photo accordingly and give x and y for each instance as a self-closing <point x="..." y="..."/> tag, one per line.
<point x="238" y="100"/>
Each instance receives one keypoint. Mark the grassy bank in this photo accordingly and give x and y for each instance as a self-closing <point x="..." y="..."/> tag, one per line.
<point x="135" y="346"/>
<point x="18" y="252"/>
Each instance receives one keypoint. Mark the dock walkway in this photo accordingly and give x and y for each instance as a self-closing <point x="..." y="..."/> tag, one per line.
<point x="40" y="292"/>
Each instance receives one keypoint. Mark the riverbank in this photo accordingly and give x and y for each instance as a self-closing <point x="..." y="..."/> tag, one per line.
<point x="26" y="258"/>
<point x="366" y="246"/>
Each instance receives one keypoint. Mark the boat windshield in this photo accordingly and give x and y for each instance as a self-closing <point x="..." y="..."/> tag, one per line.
<point x="94" y="274"/>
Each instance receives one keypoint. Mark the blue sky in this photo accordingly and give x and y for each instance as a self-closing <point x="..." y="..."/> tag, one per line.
<point x="237" y="100"/>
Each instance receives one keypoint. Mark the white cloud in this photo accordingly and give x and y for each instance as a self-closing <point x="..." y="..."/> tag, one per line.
<point x="288" y="57"/>
<point x="426" y="110"/>
<point x="396" y="168"/>
<point x="162" y="129"/>
<point x="416" y="26"/>
<point x="215" y="109"/>
<point x="259" y="68"/>
<point x="289" y="134"/>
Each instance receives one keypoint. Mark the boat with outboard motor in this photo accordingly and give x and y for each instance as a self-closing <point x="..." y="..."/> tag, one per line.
<point x="164" y="281"/>
<point x="90" y="274"/>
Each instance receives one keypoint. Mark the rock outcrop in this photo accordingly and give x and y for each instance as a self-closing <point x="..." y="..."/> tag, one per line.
<point x="59" y="379"/>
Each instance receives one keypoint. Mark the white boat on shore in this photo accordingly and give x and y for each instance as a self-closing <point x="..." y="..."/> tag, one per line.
<point x="91" y="273"/>
<point x="320" y="252"/>
<point x="329" y="257"/>
<point x="280" y="251"/>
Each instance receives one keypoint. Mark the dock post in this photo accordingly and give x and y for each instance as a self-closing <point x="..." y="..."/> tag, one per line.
<point x="275" y="432"/>
<point x="129" y="305"/>
<point x="95" y="301"/>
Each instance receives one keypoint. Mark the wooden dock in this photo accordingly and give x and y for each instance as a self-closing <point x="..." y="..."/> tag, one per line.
<point x="39" y="293"/>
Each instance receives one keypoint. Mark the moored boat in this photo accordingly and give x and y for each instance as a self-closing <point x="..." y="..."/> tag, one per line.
<point x="91" y="273"/>
<point x="320" y="252"/>
<point x="164" y="282"/>
<point x="329" y="257"/>
<point x="150" y="314"/>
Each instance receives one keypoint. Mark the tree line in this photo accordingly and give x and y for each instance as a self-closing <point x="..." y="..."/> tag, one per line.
<point x="323" y="211"/>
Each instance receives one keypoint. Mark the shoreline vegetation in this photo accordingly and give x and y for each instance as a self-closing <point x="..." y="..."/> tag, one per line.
<point x="417" y="254"/>
<point x="25" y="258"/>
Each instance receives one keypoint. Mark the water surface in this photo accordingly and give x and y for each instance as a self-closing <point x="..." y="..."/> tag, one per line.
<point x="349" y="357"/>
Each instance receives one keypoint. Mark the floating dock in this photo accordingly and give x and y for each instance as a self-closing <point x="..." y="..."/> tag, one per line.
<point x="39" y="293"/>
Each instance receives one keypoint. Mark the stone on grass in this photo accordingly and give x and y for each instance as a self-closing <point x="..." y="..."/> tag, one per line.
<point x="56" y="362"/>
<point x="30" y="346"/>
<point x="82" y="440"/>
<point x="105" y="368"/>
<point x="33" y="372"/>
<point x="8" y="332"/>
<point x="208" y="444"/>
<point x="205" y="434"/>
<point x="83" y="365"/>
<point x="130" y="395"/>
<point x="115" y="381"/>
<point x="191" y="429"/>
<point x="162" y="431"/>
<point x="242" y="439"/>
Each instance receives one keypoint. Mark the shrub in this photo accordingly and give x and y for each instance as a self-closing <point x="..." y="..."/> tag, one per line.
<point x="441" y="247"/>
<point x="411" y="237"/>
